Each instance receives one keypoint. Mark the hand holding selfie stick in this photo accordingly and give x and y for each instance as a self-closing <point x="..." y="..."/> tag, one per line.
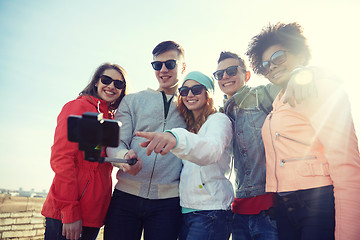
<point x="91" y="131"/>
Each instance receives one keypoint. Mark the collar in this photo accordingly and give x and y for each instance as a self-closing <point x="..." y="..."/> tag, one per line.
<point x="240" y="95"/>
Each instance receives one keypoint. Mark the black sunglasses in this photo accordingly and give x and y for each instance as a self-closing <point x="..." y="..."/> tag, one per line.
<point x="279" y="57"/>
<point x="231" y="71"/>
<point x="169" y="64"/>
<point x="196" y="90"/>
<point x="108" y="80"/>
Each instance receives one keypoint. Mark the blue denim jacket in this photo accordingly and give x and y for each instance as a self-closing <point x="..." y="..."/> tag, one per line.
<point x="247" y="110"/>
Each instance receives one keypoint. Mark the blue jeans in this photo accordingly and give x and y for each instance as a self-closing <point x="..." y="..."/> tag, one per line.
<point x="53" y="231"/>
<point x="306" y="214"/>
<point x="128" y="215"/>
<point x="206" y="225"/>
<point x="250" y="227"/>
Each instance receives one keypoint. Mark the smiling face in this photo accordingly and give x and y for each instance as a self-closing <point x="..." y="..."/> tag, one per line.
<point x="109" y="93"/>
<point x="231" y="84"/>
<point x="280" y="74"/>
<point x="194" y="103"/>
<point x="168" y="78"/>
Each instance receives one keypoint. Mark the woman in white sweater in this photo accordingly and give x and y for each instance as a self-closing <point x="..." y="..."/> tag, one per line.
<point x="204" y="146"/>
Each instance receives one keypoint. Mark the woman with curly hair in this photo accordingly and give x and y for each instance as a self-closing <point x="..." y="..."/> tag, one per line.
<point x="312" y="155"/>
<point x="205" y="193"/>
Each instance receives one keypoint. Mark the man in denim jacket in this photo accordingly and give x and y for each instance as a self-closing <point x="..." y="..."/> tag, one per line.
<point x="247" y="108"/>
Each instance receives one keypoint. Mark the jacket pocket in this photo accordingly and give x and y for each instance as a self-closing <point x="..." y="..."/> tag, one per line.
<point x="211" y="176"/>
<point x="192" y="187"/>
<point x="279" y="135"/>
<point x="288" y="160"/>
<point x="83" y="192"/>
<point x="311" y="169"/>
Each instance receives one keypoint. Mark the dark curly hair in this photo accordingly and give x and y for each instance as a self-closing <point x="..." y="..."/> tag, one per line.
<point x="290" y="36"/>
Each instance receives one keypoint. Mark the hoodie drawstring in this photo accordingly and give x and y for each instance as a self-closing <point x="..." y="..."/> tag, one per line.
<point x="98" y="106"/>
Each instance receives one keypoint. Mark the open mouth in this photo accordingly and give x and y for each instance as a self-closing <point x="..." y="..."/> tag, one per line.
<point x="165" y="77"/>
<point x="109" y="92"/>
<point x="228" y="84"/>
<point x="192" y="101"/>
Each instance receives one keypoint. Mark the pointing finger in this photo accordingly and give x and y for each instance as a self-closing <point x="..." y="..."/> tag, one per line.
<point x="148" y="135"/>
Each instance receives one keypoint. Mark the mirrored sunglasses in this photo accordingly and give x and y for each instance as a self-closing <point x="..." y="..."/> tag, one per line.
<point x="108" y="80"/>
<point x="279" y="57"/>
<point x="169" y="64"/>
<point x="196" y="90"/>
<point x="230" y="71"/>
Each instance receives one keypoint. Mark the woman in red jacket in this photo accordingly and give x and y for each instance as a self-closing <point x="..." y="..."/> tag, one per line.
<point x="80" y="194"/>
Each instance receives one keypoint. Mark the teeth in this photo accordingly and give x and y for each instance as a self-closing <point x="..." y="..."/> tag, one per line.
<point x="107" y="92"/>
<point x="227" y="84"/>
<point x="192" y="101"/>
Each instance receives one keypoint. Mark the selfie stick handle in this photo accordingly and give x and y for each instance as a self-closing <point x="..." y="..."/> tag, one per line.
<point x="121" y="160"/>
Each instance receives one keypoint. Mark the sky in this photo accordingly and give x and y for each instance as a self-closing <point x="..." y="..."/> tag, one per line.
<point x="50" y="49"/>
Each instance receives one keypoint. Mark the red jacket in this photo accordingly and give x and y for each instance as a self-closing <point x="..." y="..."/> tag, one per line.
<point x="80" y="189"/>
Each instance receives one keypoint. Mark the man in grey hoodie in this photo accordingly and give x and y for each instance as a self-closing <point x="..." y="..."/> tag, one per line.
<point x="149" y="201"/>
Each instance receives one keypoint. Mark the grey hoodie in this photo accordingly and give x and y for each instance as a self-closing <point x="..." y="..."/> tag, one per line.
<point x="160" y="175"/>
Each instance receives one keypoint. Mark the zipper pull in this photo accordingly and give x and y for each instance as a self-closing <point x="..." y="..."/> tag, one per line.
<point x="282" y="163"/>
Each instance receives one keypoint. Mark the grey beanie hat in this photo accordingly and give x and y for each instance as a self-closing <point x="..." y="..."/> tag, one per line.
<point x="202" y="79"/>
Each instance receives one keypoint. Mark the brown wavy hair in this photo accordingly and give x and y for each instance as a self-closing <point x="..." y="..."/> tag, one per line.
<point x="194" y="125"/>
<point x="91" y="89"/>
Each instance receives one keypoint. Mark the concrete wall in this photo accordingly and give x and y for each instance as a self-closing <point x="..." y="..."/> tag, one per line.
<point x="20" y="218"/>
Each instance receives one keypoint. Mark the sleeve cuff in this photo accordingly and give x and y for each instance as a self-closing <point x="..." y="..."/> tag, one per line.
<point x="175" y="135"/>
<point x="71" y="214"/>
<point x="122" y="153"/>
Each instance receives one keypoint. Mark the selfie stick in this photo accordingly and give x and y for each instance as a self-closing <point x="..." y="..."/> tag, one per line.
<point x="120" y="160"/>
<point x="93" y="156"/>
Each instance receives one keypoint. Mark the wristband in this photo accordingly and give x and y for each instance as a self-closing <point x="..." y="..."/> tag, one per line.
<point x="174" y="134"/>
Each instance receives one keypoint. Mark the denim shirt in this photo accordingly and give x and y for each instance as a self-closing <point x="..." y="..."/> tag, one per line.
<point x="247" y="110"/>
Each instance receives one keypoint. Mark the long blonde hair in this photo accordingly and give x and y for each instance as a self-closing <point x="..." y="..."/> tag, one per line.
<point x="194" y="125"/>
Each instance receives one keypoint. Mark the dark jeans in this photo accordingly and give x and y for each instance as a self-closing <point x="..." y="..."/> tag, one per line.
<point x="53" y="231"/>
<point x="128" y="215"/>
<point x="306" y="214"/>
<point x="254" y="227"/>
<point x="206" y="225"/>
